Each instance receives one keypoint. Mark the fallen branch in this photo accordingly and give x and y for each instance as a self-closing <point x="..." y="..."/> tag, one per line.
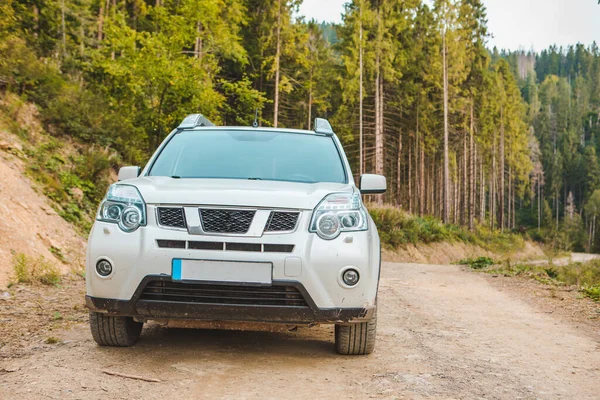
<point x="139" y="378"/>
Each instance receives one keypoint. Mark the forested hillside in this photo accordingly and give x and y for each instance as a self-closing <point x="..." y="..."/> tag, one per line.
<point x="470" y="135"/>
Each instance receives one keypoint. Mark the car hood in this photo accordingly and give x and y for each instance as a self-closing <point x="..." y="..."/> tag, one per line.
<point x="234" y="192"/>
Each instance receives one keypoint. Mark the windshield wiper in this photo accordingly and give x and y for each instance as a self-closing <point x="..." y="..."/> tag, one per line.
<point x="255" y="179"/>
<point x="175" y="177"/>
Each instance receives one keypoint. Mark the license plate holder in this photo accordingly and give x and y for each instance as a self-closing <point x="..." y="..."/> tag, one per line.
<point x="258" y="273"/>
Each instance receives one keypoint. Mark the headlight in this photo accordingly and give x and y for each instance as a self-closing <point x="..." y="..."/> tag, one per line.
<point x="123" y="205"/>
<point x="337" y="213"/>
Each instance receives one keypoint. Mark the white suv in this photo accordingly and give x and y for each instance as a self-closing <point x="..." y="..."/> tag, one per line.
<point x="237" y="225"/>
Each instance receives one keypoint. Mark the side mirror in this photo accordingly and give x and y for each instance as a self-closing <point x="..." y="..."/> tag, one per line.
<point x="372" y="184"/>
<point x="129" y="173"/>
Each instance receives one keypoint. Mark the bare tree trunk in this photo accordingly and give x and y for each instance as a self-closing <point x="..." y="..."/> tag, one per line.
<point x="378" y="103"/>
<point x="472" y="187"/>
<point x="399" y="172"/>
<point x="81" y="41"/>
<point x="589" y="249"/>
<point x="310" y="84"/>
<point x="422" y="193"/>
<point x="493" y="183"/>
<point x="198" y="44"/>
<point x="377" y="122"/>
<point x="63" y="27"/>
<point x="539" y="201"/>
<point x="379" y="127"/>
<point x="309" y="122"/>
<point x="114" y="11"/>
<point x="465" y="185"/>
<point x="446" y="134"/>
<point x="101" y="21"/>
<point x="482" y="207"/>
<point x="360" y="132"/>
<point x="501" y="188"/>
<point x="593" y="233"/>
<point x="456" y="194"/>
<point x="557" y="209"/>
<point x="36" y="20"/>
<point x="509" y="197"/>
<point x="514" y="211"/>
<point x="492" y="202"/>
<point x="410" y="191"/>
<point x="277" y="57"/>
<point x="432" y="187"/>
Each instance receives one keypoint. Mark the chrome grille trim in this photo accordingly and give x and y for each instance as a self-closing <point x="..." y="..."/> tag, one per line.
<point x="225" y="246"/>
<point x="262" y="220"/>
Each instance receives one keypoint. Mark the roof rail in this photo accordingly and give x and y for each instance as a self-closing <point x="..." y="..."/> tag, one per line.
<point x="193" y="121"/>
<point x="323" y="127"/>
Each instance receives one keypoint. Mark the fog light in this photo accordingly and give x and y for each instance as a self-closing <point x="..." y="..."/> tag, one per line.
<point x="351" y="277"/>
<point x="104" y="268"/>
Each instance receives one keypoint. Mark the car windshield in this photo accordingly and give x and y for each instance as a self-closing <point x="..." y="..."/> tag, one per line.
<point x="251" y="154"/>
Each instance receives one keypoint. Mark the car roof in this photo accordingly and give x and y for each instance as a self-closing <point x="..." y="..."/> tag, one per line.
<point x="252" y="129"/>
<point x="198" y="122"/>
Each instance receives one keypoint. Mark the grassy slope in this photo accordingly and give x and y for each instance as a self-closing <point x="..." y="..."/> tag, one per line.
<point x="398" y="228"/>
<point x="72" y="175"/>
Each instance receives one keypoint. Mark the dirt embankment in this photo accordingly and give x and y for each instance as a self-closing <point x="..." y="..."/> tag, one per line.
<point x="28" y="223"/>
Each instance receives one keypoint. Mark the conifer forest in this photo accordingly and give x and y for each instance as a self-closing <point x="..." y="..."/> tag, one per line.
<point x="472" y="135"/>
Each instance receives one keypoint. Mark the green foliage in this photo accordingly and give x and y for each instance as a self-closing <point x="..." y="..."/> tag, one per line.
<point x="30" y="270"/>
<point x="477" y="263"/>
<point x="396" y="228"/>
<point x="585" y="276"/>
<point x="593" y="292"/>
<point x="76" y="183"/>
<point x="58" y="253"/>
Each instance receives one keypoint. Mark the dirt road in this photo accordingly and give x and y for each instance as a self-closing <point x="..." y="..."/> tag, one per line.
<point x="443" y="333"/>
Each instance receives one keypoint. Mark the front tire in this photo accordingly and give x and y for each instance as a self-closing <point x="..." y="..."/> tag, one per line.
<point x="356" y="339"/>
<point x="110" y="330"/>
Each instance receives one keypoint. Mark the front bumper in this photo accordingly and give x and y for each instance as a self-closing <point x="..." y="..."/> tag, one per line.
<point x="314" y="264"/>
<point x="144" y="308"/>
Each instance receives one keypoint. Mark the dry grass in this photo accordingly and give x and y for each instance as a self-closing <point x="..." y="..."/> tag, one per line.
<point x="584" y="276"/>
<point x="35" y="271"/>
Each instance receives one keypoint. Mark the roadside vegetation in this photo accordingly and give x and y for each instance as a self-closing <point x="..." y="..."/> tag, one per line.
<point x="397" y="228"/>
<point x="584" y="276"/>
<point x="72" y="174"/>
<point x="35" y="270"/>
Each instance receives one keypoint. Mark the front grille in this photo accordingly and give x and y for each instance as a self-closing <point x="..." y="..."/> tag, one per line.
<point x="284" y="296"/>
<point x="282" y="221"/>
<point x="171" y="244"/>
<point x="256" y="247"/>
<point x="205" y="245"/>
<point x="226" y="221"/>
<point x="220" y="246"/>
<point x="171" y="217"/>
<point x="278" y="248"/>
